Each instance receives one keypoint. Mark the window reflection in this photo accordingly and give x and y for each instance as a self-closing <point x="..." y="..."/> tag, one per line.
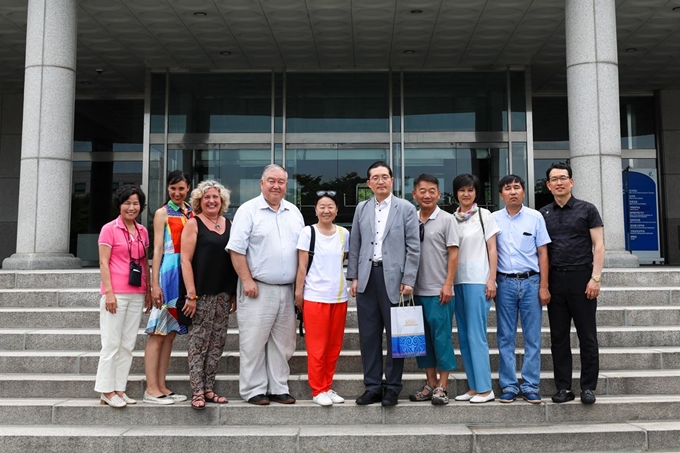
<point x="337" y="102"/>
<point x="489" y="164"/>
<point x="237" y="169"/>
<point x="330" y="168"/>
<point x="103" y="130"/>
<point x="455" y="102"/>
<point x="219" y="103"/>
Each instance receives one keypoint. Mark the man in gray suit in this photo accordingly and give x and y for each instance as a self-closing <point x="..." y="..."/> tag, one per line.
<point x="383" y="261"/>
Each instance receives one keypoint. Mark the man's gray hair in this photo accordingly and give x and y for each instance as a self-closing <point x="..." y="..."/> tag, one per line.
<point x="271" y="167"/>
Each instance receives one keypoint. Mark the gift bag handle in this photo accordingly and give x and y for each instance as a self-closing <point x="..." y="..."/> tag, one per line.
<point x="408" y="302"/>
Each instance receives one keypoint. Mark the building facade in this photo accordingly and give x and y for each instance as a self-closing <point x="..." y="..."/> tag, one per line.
<point x="99" y="93"/>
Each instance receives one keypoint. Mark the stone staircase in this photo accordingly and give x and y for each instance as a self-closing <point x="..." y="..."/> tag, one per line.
<point x="49" y="343"/>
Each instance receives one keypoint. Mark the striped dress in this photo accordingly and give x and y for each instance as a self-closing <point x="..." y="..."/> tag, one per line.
<point x="164" y="320"/>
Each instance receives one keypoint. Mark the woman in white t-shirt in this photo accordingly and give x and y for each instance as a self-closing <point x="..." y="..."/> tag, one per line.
<point x="321" y="295"/>
<point x="475" y="286"/>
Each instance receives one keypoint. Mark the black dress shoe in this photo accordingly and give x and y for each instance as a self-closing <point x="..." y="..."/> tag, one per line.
<point x="390" y="398"/>
<point x="284" y="398"/>
<point x="368" y="397"/>
<point x="587" y="397"/>
<point x="260" y="400"/>
<point x="562" y="396"/>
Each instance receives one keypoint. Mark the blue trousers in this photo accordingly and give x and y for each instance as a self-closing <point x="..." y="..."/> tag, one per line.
<point x="472" y="309"/>
<point x="438" y="327"/>
<point x="519" y="297"/>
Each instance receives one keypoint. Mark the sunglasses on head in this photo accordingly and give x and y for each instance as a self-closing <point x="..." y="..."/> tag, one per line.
<point x="330" y="193"/>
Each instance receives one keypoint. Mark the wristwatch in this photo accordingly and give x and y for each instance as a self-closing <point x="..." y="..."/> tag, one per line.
<point x="597" y="278"/>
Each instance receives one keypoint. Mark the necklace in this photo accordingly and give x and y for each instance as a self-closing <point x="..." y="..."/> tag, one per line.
<point x="216" y="223"/>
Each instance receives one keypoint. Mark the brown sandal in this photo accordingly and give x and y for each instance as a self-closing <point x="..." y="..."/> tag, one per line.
<point x="420" y="396"/>
<point x="196" y="401"/>
<point x="215" y="398"/>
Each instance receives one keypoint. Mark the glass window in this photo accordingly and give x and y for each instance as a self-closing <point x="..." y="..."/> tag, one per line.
<point x="103" y="127"/>
<point x="158" y="103"/>
<point x="455" y="101"/>
<point x="337" y="102"/>
<point x="92" y="201"/>
<point x="637" y="123"/>
<point x="220" y="103"/>
<point x="518" y="103"/>
<point x="519" y="160"/>
<point x="396" y="102"/>
<point x="278" y="102"/>
<point x="542" y="195"/>
<point x="488" y="163"/>
<point x="237" y="169"/>
<point x="551" y="122"/>
<point x="332" y="168"/>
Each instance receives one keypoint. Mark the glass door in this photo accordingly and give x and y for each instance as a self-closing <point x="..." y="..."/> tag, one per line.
<point x="488" y="161"/>
<point x="237" y="166"/>
<point x="339" y="167"/>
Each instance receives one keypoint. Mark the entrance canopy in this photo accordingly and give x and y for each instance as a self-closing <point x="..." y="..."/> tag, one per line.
<point x="124" y="37"/>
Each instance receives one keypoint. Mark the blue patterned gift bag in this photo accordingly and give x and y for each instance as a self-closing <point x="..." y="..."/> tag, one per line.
<point x="408" y="330"/>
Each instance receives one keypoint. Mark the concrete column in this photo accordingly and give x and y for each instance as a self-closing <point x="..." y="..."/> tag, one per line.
<point x="594" y="127"/>
<point x="47" y="139"/>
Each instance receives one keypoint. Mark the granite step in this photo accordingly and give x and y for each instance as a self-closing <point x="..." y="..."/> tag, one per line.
<point x="72" y="385"/>
<point x="611" y="296"/>
<point x="89" y="339"/>
<point x="70" y="361"/>
<point x="69" y="278"/>
<point x="88" y="317"/>
<point x="420" y="437"/>
<point x="88" y="411"/>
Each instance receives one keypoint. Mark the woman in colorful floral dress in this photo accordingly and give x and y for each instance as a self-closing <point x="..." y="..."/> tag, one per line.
<point x="168" y="223"/>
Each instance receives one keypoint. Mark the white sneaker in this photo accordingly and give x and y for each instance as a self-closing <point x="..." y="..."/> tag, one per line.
<point x="163" y="399"/>
<point x="322" y="399"/>
<point x="128" y="400"/>
<point x="114" y="401"/>
<point x="335" y="397"/>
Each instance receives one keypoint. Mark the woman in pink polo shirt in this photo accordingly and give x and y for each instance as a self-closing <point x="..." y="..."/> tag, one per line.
<point x="124" y="267"/>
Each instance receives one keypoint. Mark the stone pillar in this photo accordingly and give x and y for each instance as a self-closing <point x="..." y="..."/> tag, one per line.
<point x="594" y="127"/>
<point x="47" y="138"/>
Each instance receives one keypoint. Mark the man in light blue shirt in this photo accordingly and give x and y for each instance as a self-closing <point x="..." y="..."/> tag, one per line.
<point x="522" y="280"/>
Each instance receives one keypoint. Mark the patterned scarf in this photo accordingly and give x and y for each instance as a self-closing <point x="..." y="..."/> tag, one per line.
<point x="463" y="217"/>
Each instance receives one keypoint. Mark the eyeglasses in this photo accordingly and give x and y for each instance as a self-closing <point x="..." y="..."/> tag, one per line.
<point x="422" y="232"/>
<point x="330" y="193"/>
<point x="383" y="178"/>
<point x="560" y="179"/>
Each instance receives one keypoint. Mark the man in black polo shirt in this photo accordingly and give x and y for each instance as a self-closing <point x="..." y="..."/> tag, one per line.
<point x="576" y="256"/>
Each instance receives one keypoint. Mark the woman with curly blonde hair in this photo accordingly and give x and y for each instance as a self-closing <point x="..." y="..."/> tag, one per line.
<point x="209" y="288"/>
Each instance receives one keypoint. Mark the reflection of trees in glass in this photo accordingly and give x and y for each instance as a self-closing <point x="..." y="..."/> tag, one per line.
<point x="346" y="186"/>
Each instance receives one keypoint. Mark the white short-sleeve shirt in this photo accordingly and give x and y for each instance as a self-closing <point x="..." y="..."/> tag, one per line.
<point x="473" y="258"/>
<point x="325" y="281"/>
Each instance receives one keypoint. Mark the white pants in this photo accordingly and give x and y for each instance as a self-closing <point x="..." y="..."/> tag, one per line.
<point x="119" y="334"/>
<point x="266" y="327"/>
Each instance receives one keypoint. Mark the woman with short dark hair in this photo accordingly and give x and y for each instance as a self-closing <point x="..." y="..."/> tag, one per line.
<point x="321" y="295"/>
<point x="474" y="285"/>
<point x="123" y="245"/>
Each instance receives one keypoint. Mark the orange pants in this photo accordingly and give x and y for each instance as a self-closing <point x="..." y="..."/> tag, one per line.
<point x="324" y="331"/>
